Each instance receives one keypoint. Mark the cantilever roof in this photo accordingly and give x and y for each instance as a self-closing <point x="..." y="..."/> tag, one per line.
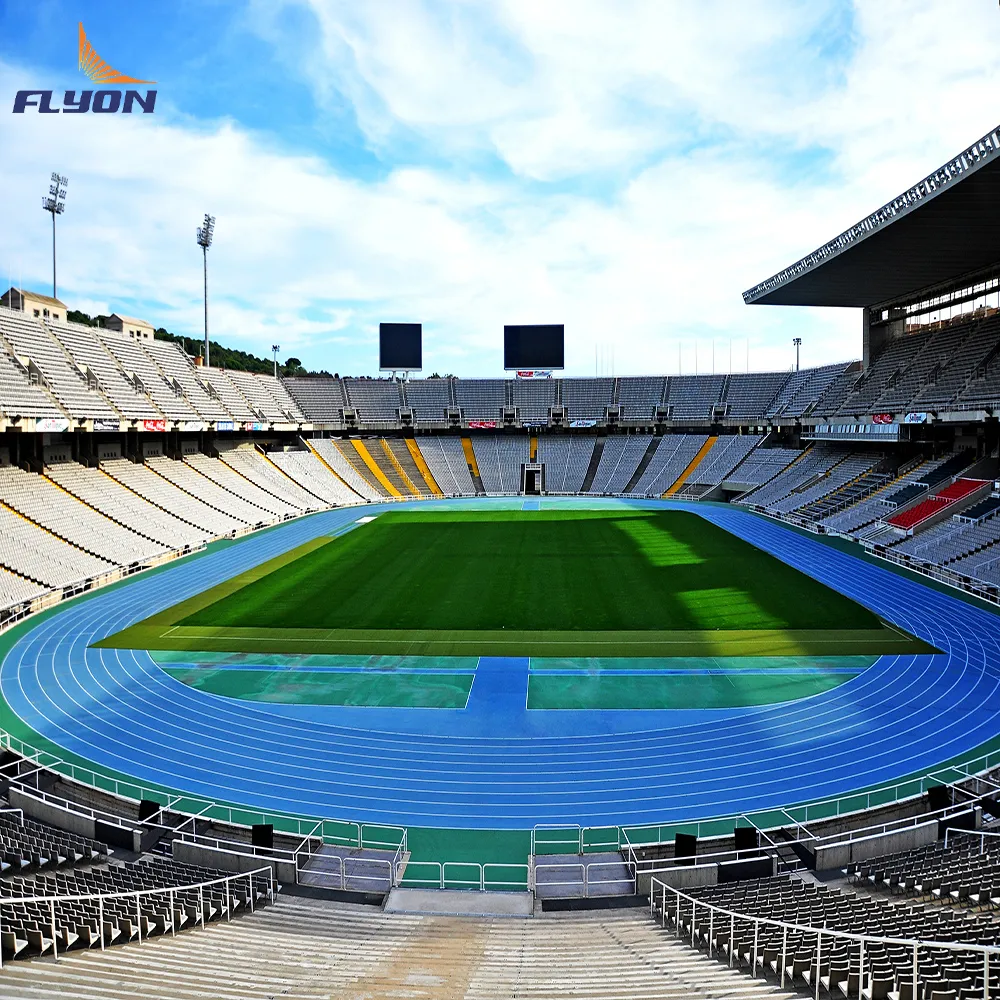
<point x="943" y="227"/>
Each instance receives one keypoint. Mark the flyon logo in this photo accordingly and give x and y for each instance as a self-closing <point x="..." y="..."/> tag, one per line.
<point x="101" y="102"/>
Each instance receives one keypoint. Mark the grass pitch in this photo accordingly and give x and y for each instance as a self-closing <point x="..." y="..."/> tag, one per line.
<point x="542" y="583"/>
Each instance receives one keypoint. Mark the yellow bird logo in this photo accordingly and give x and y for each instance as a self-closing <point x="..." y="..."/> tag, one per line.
<point x="97" y="69"/>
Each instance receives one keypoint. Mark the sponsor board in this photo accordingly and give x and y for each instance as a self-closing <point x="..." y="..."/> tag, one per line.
<point x="191" y="425"/>
<point x="881" y="418"/>
<point x="534" y="423"/>
<point x="533" y="373"/>
<point x="583" y="423"/>
<point x="485" y="425"/>
<point x="52" y="424"/>
<point x="154" y="425"/>
<point x="915" y="418"/>
<point x="225" y="425"/>
<point x="107" y="425"/>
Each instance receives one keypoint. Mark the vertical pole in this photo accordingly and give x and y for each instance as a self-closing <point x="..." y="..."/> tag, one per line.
<point x="784" y="954"/>
<point x="1" y="931"/>
<point x="861" y="967"/>
<point x="52" y="917"/>
<point x="201" y="900"/>
<point x="819" y="961"/>
<point x="204" y="262"/>
<point x="694" y="913"/>
<point x="986" y="975"/>
<point x="229" y="901"/>
<point x="173" y="916"/>
<point x="732" y="937"/>
<point x="914" y="971"/>
<point x="756" y="935"/>
<point x="711" y="930"/>
<point x="54" y="255"/>
<point x="100" y="919"/>
<point x="138" y="917"/>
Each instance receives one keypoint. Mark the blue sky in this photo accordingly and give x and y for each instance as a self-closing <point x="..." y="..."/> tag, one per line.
<point x="625" y="167"/>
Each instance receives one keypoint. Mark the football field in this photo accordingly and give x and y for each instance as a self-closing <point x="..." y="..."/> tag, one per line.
<point x="544" y="583"/>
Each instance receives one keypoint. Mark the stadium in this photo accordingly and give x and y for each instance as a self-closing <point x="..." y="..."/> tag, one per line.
<point x="661" y="685"/>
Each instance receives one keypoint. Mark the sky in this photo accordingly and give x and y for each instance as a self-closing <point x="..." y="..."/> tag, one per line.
<point x="627" y="168"/>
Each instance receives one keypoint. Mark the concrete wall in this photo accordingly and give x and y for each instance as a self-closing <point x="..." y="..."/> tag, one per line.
<point x="681" y="877"/>
<point x="841" y="855"/>
<point x="230" y="861"/>
<point x="54" y="815"/>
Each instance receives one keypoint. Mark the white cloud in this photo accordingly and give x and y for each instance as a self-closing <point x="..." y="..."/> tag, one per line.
<point x="626" y="168"/>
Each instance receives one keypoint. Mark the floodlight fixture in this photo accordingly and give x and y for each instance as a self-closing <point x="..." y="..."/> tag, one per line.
<point x="275" y="348"/>
<point x="797" y="341"/>
<point x="55" y="204"/>
<point x="206" y="232"/>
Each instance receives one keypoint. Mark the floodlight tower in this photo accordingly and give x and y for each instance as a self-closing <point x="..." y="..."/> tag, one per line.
<point x="205" y="233"/>
<point x="55" y="204"/>
<point x="797" y="341"/>
<point x="274" y="349"/>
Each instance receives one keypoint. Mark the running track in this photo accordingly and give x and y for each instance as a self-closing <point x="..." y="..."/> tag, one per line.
<point x="494" y="764"/>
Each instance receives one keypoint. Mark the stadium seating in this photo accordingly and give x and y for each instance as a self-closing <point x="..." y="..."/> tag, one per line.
<point x="336" y="458"/>
<point x="263" y="473"/>
<point x="38" y="352"/>
<point x="764" y="464"/>
<point x="500" y="458"/>
<point x="313" y="475"/>
<point x="320" y="399"/>
<point x="809" y="906"/>
<point x="566" y="461"/>
<point x="210" y="493"/>
<point x="377" y="401"/>
<point x="178" y="369"/>
<point x="446" y="460"/>
<point x="672" y="456"/>
<point x="534" y="398"/>
<point x="948" y="497"/>
<point x="144" y="481"/>
<point x="429" y="399"/>
<point x="480" y="399"/>
<point x="619" y="461"/>
<point x="587" y="398"/>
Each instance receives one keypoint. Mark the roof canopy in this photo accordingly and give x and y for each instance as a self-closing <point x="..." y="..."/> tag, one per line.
<point x="943" y="227"/>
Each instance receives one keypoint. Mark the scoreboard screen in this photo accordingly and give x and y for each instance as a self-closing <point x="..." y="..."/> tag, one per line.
<point x="400" y="347"/>
<point x="534" y="347"/>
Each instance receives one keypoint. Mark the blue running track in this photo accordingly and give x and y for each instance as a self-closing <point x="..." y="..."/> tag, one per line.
<point x="494" y="764"/>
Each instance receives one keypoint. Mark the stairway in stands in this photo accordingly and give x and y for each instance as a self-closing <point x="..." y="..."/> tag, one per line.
<point x="305" y="948"/>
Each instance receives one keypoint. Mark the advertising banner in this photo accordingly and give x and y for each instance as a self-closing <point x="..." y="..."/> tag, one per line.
<point x="106" y="425"/>
<point x="154" y="425"/>
<point x="54" y="424"/>
<point x="881" y="418"/>
<point x="583" y="423"/>
<point x="192" y="425"/>
<point x="533" y="373"/>
<point x="487" y="425"/>
<point x="534" y="423"/>
<point x="225" y="425"/>
<point x="915" y="418"/>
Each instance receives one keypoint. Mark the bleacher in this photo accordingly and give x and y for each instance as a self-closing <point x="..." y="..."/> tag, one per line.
<point x="500" y="457"/>
<point x="320" y="399"/>
<point x="312" y="474"/>
<point x="480" y="398"/>
<point x="619" y="460"/>
<point x="694" y="397"/>
<point x="377" y="401"/>
<point x="955" y="493"/>
<point x="784" y="934"/>
<point x="429" y="399"/>
<point x="587" y="398"/>
<point x="673" y="455"/>
<point x="566" y="460"/>
<point x="446" y="460"/>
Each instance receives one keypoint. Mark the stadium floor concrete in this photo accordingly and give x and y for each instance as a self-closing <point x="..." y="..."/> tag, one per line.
<point x="496" y="764"/>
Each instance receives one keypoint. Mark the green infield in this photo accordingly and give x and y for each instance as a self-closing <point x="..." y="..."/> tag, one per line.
<point x="542" y="583"/>
<point x="316" y="687"/>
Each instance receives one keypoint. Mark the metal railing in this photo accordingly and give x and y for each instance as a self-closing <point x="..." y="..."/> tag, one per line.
<point x="980" y="835"/>
<point x="490" y="876"/>
<point x="342" y="832"/>
<point x="585" y="881"/>
<point x="166" y="895"/>
<point x="718" y="926"/>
